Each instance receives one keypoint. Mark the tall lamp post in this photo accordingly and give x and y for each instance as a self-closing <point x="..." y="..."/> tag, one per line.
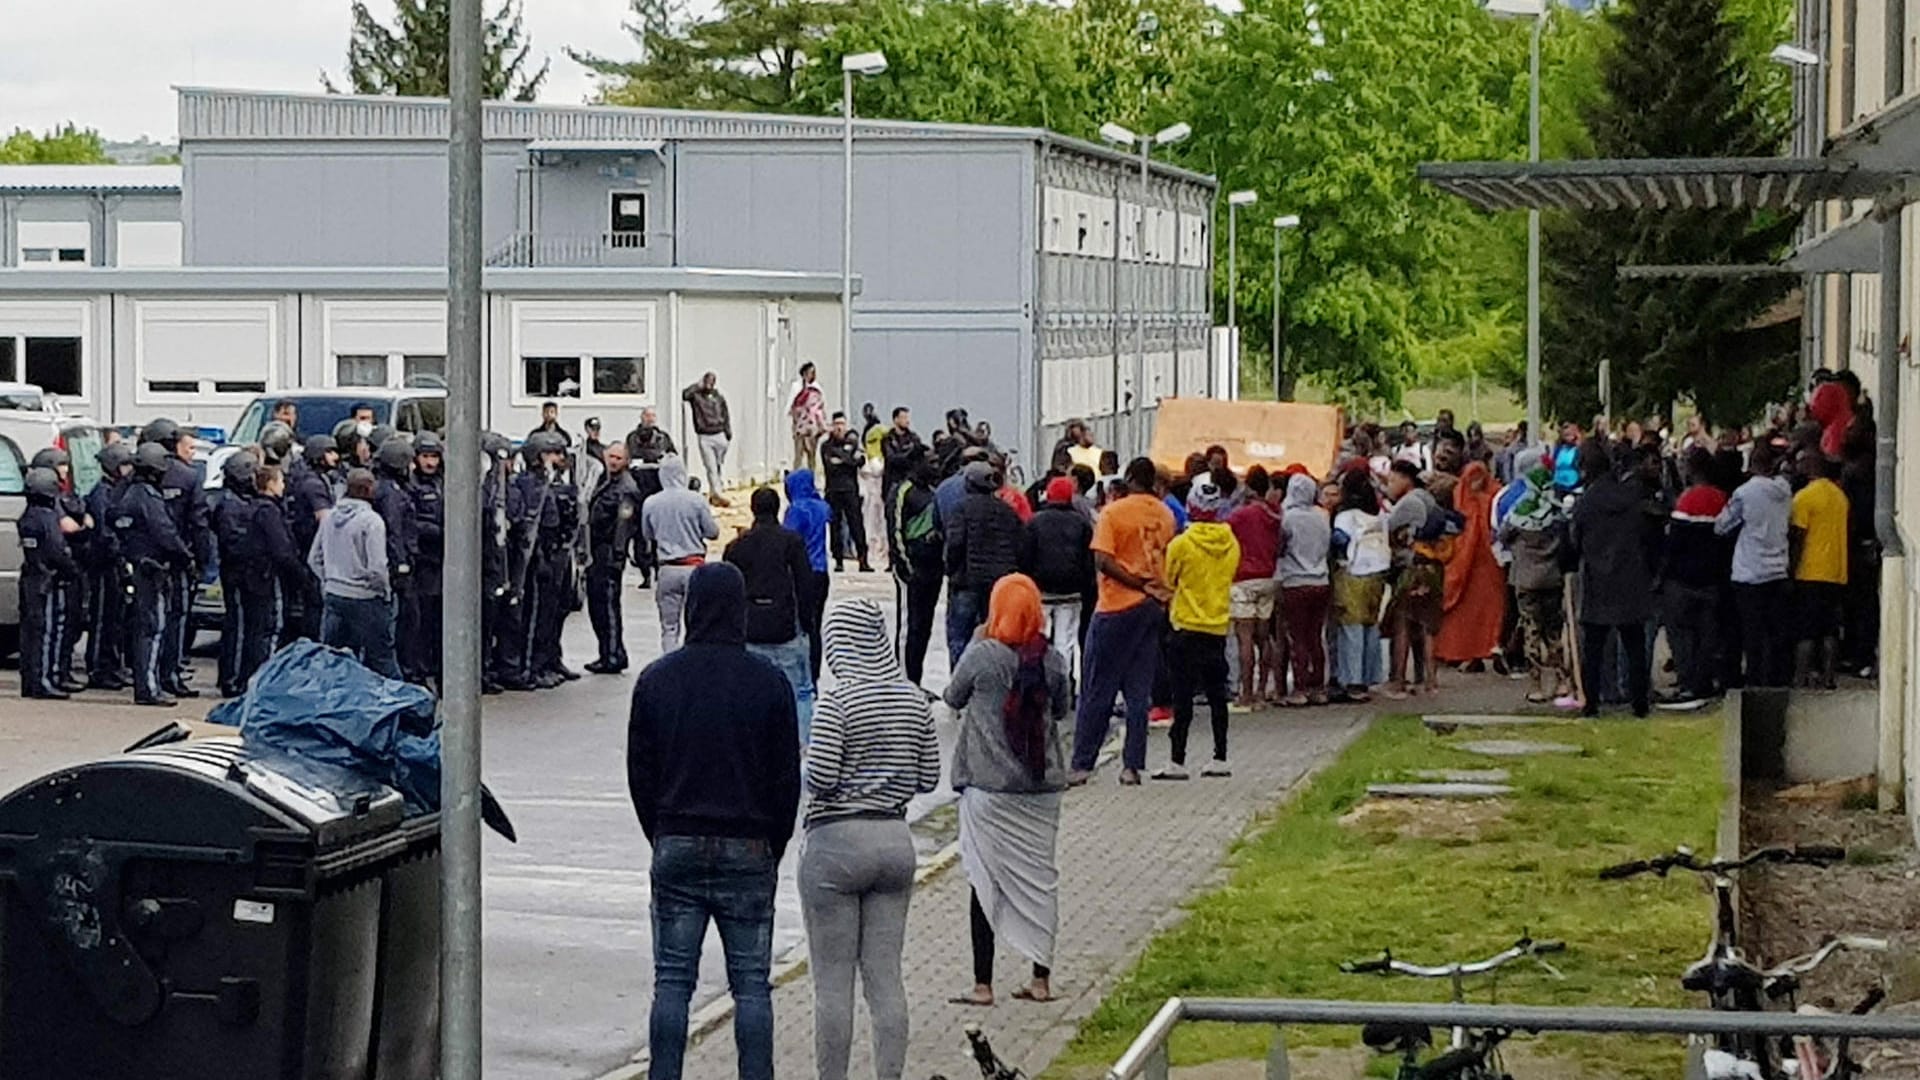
<point x="866" y="63"/>
<point x="1235" y="201"/>
<point x="1120" y="136"/>
<point x="1807" y="104"/>
<point x="1280" y="226"/>
<point x="1537" y="11"/>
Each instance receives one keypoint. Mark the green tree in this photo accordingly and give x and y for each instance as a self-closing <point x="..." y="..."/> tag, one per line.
<point x="1676" y="76"/>
<point x="409" y="59"/>
<point x="64" y="145"/>
<point x="748" y="55"/>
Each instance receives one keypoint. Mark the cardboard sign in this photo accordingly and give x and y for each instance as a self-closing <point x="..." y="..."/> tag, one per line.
<point x="1272" y="434"/>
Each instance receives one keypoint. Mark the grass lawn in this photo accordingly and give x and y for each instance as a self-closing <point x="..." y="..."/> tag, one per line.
<point x="1307" y="890"/>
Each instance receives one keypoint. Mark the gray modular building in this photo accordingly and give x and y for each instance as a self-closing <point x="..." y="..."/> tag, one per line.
<point x="66" y="217"/>
<point x="995" y="267"/>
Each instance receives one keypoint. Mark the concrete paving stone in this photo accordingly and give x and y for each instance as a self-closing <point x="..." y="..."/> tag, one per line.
<point x="1463" y="776"/>
<point x="1508" y="748"/>
<point x="1445" y="722"/>
<point x="1438" y="791"/>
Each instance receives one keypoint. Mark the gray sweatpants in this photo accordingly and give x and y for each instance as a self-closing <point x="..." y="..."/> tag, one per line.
<point x="713" y="456"/>
<point x="856" y="877"/>
<point x="670" y="595"/>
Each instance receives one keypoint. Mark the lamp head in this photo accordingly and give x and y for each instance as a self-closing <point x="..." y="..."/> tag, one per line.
<point x="1167" y="136"/>
<point x="1794" y="55"/>
<point x="1517" y="9"/>
<point x="866" y="63"/>
<point x="1243" y="198"/>
<point x="1287" y="221"/>
<point x="1118" y="135"/>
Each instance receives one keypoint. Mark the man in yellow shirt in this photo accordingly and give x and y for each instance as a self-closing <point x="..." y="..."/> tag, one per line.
<point x="1818" y="543"/>
<point x="1200" y="566"/>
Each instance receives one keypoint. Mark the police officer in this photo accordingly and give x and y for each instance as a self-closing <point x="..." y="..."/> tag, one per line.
<point x="309" y="498"/>
<point x="352" y="453"/>
<point x="551" y="505"/>
<point x="48" y="569"/>
<point x="106" y="580"/>
<point x="276" y="444"/>
<point x="393" y="476"/>
<point x="232" y="523"/>
<point x="186" y="504"/>
<point x="156" y="554"/>
<point x="499" y="600"/>
<point x="613" y="524"/>
<point x="420" y="648"/>
<point x="79" y="531"/>
<point x="647" y="443"/>
<point x="271" y="570"/>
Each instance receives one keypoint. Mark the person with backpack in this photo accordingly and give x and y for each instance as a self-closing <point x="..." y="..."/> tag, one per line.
<point x="917" y="558"/>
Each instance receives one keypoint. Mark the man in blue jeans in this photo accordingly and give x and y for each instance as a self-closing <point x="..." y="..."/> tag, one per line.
<point x="349" y="557"/>
<point x="713" y="764"/>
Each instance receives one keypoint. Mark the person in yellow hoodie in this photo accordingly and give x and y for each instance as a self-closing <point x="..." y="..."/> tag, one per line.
<point x="1200" y="565"/>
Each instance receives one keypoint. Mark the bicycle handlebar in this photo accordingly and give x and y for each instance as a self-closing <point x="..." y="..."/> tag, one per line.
<point x="1385" y="964"/>
<point x="1684" y="859"/>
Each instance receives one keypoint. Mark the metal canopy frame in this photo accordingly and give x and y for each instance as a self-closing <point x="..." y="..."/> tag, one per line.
<point x="1887" y="141"/>
<point x="1852" y="247"/>
<point x="1655" y="183"/>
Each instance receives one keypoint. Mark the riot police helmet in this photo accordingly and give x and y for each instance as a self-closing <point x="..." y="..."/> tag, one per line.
<point x="51" y="457"/>
<point x="43" y="483"/>
<point x="161" y="431"/>
<point x="318" y="447"/>
<point x="151" y="460"/>
<point x="113" y="457"/>
<point x="394" y="456"/>
<point x="238" y="470"/>
<point x="276" y="442"/>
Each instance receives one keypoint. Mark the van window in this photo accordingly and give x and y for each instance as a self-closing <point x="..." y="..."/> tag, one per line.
<point x="83" y="448"/>
<point x="433" y="414"/>
<point x="13" y="468"/>
<point x="406" y="417"/>
<point x="251" y="421"/>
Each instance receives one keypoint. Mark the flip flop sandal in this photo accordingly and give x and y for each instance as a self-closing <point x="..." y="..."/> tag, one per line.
<point x="1024" y="994"/>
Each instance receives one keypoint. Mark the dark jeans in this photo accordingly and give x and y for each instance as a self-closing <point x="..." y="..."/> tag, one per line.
<point x="106" y="624"/>
<point x="1633" y="653"/>
<point x="603" y="610"/>
<point x="179" y="632"/>
<point x="1766" y="636"/>
<point x="546" y="606"/>
<point x="363" y="628"/>
<point x="813" y="608"/>
<point x="849" y="524"/>
<point x="730" y="882"/>
<point x="260" y="615"/>
<point x="1690" y="617"/>
<point x="1198" y="663"/>
<point x="966" y="609"/>
<point x="1862" y="631"/>
<point x="922" y="596"/>
<point x="1122" y="653"/>
<point x="233" y="632"/>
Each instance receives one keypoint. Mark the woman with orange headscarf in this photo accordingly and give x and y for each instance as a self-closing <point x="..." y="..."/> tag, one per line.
<point x="1009" y="766"/>
<point x="1476" y="595"/>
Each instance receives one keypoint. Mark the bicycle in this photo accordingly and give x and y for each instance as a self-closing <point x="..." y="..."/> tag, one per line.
<point x="1731" y="981"/>
<point x="991" y="1067"/>
<point x="1470" y="1054"/>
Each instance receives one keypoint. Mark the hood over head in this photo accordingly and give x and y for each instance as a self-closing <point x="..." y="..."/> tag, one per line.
<point x="717" y="605"/>
<point x="1061" y="490"/>
<point x="1303" y="492"/>
<point x="855" y="642"/>
<point x="979" y="477"/>
<point x="673" y="473"/>
<point x="1204" y="500"/>
<point x="346" y="510"/>
<point x="800" y="487"/>
<point x="1833" y="408"/>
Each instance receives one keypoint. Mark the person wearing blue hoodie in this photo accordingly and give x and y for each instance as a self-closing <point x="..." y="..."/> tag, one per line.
<point x="809" y="515"/>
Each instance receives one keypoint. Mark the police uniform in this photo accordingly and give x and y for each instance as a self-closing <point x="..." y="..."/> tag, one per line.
<point x="272" y="570"/>
<point x="47" y="571"/>
<point x="156" y="554"/>
<point x="420" y="647"/>
<point x="107" y="582"/>
<point x="309" y="495"/>
<point x="393" y="472"/>
<point x="613" y="523"/>
<point x="500" y="510"/>
<point x="186" y="504"/>
<point x="232" y="517"/>
<point x="551" y="513"/>
<point x="71" y="507"/>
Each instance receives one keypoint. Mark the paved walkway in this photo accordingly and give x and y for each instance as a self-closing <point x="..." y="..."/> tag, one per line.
<point x="1129" y="857"/>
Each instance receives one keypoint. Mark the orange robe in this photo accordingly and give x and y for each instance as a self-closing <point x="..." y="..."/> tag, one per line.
<point x="1476" y="594"/>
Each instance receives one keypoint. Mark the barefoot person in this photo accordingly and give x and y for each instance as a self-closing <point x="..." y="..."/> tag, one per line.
<point x="1011" y="693"/>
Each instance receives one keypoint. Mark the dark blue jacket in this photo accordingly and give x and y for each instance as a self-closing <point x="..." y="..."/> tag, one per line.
<point x="429" y="525"/>
<point x="43" y="547"/>
<point x="713" y="747"/>
<point x="105" y="548"/>
<point x="308" y="493"/>
<point x="145" y="531"/>
<point x="268" y="553"/>
<point x="186" y="503"/>
<point x="395" y="507"/>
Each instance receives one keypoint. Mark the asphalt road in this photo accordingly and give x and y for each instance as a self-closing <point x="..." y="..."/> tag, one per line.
<point x="569" y="958"/>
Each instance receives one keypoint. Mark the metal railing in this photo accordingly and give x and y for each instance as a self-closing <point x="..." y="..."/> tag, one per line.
<point x="569" y="249"/>
<point x="1146" y="1058"/>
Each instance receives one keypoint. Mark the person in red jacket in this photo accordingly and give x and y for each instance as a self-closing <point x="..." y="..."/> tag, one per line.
<point x="1256" y="526"/>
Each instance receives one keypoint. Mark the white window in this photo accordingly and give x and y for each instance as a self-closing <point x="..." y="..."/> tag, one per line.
<point x="47" y="343"/>
<point x="583" y="350"/>
<point x="54" y="245"/>
<point x="357" y="369"/>
<point x="147" y="243"/>
<point x="204" y="348"/>
<point x="385" y="344"/>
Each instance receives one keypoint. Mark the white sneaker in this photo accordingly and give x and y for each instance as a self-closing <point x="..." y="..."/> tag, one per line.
<point x="1216" y="767"/>
<point x="1172" y="772"/>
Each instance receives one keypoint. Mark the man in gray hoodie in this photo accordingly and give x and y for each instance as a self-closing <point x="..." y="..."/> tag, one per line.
<point x="1759" y="516"/>
<point x="349" y="557"/>
<point x="678" y="524"/>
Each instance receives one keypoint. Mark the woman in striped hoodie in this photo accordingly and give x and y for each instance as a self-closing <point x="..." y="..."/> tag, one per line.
<point x="873" y="750"/>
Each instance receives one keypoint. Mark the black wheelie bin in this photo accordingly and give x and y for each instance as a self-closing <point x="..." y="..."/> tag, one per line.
<point x="207" y="910"/>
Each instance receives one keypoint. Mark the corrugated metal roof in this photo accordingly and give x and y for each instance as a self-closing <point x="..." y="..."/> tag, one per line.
<point x="210" y="114"/>
<point x="90" y="178"/>
<point x="422" y="280"/>
<point x="1654" y="183"/>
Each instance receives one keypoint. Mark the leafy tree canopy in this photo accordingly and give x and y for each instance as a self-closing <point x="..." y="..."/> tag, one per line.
<point x="64" y="145"/>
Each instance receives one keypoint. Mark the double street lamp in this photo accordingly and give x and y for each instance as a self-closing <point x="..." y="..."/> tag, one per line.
<point x="1235" y="201"/>
<point x="1120" y="136"/>
<point x="866" y="63"/>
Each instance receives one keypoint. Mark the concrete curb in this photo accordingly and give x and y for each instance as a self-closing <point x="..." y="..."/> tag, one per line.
<point x="716" y="1013"/>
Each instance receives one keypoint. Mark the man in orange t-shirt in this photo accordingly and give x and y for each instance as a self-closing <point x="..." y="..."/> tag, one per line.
<point x="1122" y="649"/>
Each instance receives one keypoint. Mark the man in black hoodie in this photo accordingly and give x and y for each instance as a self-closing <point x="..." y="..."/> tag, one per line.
<point x="713" y="764"/>
<point x="983" y="546"/>
<point x="774" y="566"/>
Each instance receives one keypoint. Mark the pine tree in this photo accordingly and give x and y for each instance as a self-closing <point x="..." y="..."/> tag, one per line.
<point x="1677" y="86"/>
<point x="745" y="55"/>
<point x="410" y="59"/>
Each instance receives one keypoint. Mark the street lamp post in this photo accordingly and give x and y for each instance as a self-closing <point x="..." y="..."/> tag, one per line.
<point x="1537" y="11"/>
<point x="1235" y="201"/>
<point x="1280" y="225"/>
<point x="1120" y="136"/>
<point x="867" y="63"/>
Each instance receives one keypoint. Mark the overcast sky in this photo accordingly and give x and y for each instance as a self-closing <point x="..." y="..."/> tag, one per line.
<point x="110" y="64"/>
